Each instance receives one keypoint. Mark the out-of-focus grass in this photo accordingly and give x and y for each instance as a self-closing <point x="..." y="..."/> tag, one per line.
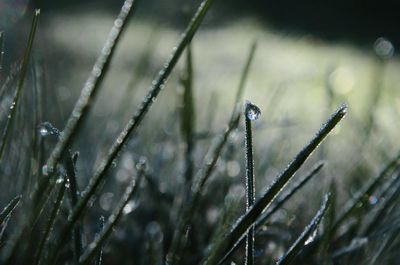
<point x="290" y="72"/>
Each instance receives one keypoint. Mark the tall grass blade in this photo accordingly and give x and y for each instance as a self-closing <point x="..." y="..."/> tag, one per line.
<point x="24" y="69"/>
<point x="252" y="112"/>
<point x="44" y="241"/>
<point x="133" y="123"/>
<point x="276" y="206"/>
<point x="93" y="83"/>
<point x="94" y="247"/>
<point x="247" y="220"/>
<point x="188" y="117"/>
<point x="7" y="211"/>
<point x="297" y="246"/>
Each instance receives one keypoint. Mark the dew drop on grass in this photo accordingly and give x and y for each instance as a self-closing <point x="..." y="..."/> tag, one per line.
<point x="252" y="111"/>
<point x="129" y="207"/>
<point x="373" y="200"/>
<point x="43" y="131"/>
<point x="46" y="170"/>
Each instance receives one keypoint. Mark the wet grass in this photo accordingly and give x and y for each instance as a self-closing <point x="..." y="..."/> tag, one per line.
<point x="180" y="183"/>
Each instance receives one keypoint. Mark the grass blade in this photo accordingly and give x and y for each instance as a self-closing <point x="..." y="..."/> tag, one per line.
<point x="189" y="209"/>
<point x="297" y="246"/>
<point x="133" y="123"/>
<point x="287" y="195"/>
<point x="92" y="84"/>
<point x="94" y="247"/>
<point x="7" y="211"/>
<point x="99" y="258"/>
<point x="188" y="117"/>
<point x="368" y="189"/>
<point x="244" y="75"/>
<point x="276" y="206"/>
<point x="252" y="112"/>
<point x="18" y="91"/>
<point x="50" y="224"/>
<point x="246" y="221"/>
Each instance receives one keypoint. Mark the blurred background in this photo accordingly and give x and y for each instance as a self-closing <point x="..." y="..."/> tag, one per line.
<point x="311" y="57"/>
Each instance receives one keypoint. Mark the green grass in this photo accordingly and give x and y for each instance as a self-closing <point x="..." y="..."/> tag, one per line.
<point x="168" y="181"/>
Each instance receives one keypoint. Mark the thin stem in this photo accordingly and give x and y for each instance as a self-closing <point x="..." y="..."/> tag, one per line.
<point x="250" y="185"/>
<point x="24" y="69"/>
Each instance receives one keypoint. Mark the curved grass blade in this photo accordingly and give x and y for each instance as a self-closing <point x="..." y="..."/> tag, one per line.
<point x="94" y="247"/>
<point x="133" y="123"/>
<point x="247" y="220"/>
<point x="7" y="211"/>
<point x="50" y="224"/>
<point x="18" y="91"/>
<point x="276" y="206"/>
<point x="297" y="246"/>
<point x="92" y="84"/>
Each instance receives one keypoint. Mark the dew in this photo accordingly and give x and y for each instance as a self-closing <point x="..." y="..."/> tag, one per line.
<point x="46" y="170"/>
<point x="383" y="48"/>
<point x="129" y="207"/>
<point x="59" y="180"/>
<point x="252" y="111"/>
<point x="43" y="131"/>
<point x="46" y="129"/>
<point x="373" y="200"/>
<point x="311" y="238"/>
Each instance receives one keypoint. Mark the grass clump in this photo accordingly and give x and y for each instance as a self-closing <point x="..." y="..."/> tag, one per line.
<point x="197" y="218"/>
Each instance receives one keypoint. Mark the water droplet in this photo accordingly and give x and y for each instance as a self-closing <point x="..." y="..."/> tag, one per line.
<point x="252" y="111"/>
<point x="60" y="179"/>
<point x="46" y="128"/>
<point x="46" y="170"/>
<point x="373" y="200"/>
<point x="43" y="131"/>
<point x="383" y="48"/>
<point x="129" y="207"/>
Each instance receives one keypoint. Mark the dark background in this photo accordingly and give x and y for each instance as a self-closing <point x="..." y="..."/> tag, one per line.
<point x="357" y="21"/>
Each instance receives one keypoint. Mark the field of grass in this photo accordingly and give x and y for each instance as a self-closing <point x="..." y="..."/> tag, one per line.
<point x="162" y="160"/>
